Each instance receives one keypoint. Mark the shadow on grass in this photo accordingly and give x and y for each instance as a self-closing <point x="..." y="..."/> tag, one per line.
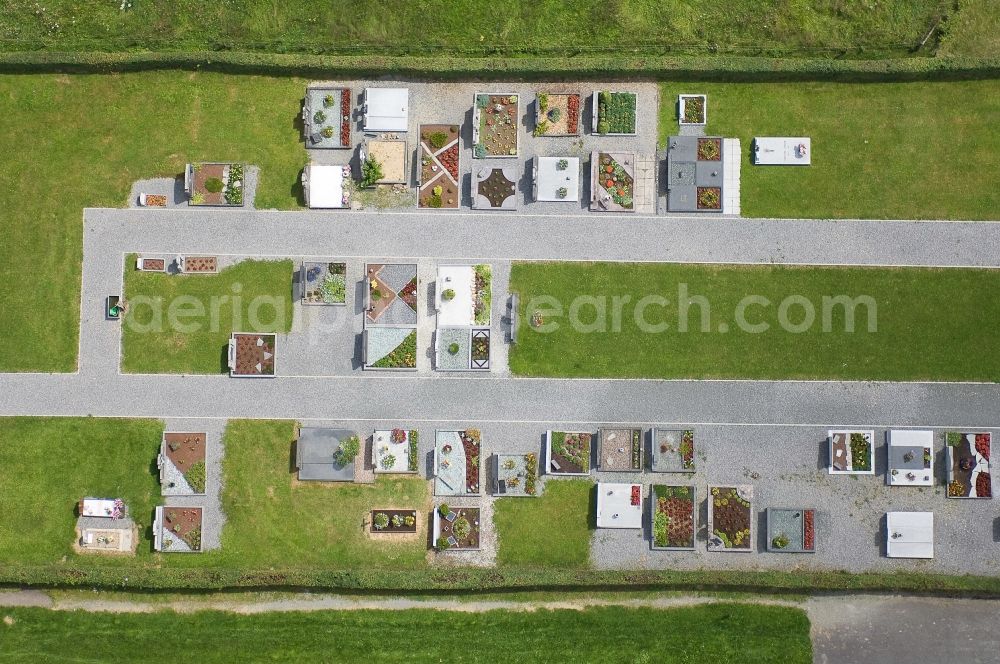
<point x="224" y="359"/>
<point x="592" y="509"/>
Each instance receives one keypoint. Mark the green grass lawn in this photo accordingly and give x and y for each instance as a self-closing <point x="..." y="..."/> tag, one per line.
<point x="461" y="26"/>
<point x="182" y="323"/>
<point x="48" y="464"/>
<point x="932" y="324"/>
<point x="731" y="632"/>
<point x="879" y="151"/>
<point x="973" y="31"/>
<point x="274" y="520"/>
<point x="552" y="530"/>
<point x="80" y="141"/>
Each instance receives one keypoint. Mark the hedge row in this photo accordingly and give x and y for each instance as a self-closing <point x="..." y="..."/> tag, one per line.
<point x="678" y="68"/>
<point x="491" y="580"/>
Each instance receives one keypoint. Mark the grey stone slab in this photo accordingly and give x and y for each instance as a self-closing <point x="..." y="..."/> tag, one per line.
<point x="384" y="340"/>
<point x="398" y="313"/>
<point x="396" y="275"/>
<point x="458" y="361"/>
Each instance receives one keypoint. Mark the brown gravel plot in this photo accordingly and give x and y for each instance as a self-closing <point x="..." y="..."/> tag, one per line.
<point x="182" y="522"/>
<point x="471" y="514"/>
<point x="388" y="295"/>
<point x="249" y="354"/>
<point x="560" y="128"/>
<point x="201" y="264"/>
<point x="190" y="449"/>
<point x="613" y="440"/>
<point x="202" y="175"/>
<point x="391" y="529"/>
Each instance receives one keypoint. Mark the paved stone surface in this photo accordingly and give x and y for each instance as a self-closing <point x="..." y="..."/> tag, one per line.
<point x="517" y="236"/>
<point x="900" y="630"/>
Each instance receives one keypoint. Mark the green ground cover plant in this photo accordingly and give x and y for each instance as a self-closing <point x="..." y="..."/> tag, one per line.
<point x="550" y="530"/>
<point x="922" y="310"/>
<point x="922" y="150"/>
<point x="510" y="27"/>
<point x="151" y="344"/>
<point x="125" y="128"/>
<point x="736" y="633"/>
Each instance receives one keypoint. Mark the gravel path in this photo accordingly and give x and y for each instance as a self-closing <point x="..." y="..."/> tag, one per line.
<point x="212" y="516"/>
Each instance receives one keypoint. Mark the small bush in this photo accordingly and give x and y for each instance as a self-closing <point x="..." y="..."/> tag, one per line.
<point x="437" y="139"/>
<point x="554" y="115"/>
<point x="453" y="349"/>
<point x="319" y="117"/>
<point x="381" y="520"/>
<point x="213" y="185"/>
<point x="195" y="476"/>
<point x="435" y="201"/>
<point x="371" y="172"/>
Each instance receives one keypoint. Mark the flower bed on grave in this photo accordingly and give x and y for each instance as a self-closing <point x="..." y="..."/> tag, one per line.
<point x="968" y="464"/>
<point x="730" y="518"/>
<point x="674" y="516"/>
<point x="568" y="453"/>
<point x="557" y="114"/>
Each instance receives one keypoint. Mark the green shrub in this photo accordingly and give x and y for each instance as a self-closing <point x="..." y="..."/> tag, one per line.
<point x="213" y="185"/>
<point x="554" y="115"/>
<point x="348" y="450"/>
<point x="438" y="139"/>
<point x="435" y="201"/>
<point x="195" y="476"/>
<point x="319" y="117"/>
<point x="328" y="101"/>
<point x="326" y="132"/>
<point x="443" y="509"/>
<point x="479" y="150"/>
<point x="371" y="172"/>
<point x="453" y="349"/>
<point x="724" y="68"/>
<point x="448" y="294"/>
<point x="543" y="102"/>
<point x="442" y="543"/>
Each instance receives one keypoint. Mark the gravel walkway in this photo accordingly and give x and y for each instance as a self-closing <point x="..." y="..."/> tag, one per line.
<point x="212" y="516"/>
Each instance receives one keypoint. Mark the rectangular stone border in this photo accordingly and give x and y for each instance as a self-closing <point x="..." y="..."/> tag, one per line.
<point x="694" y="518"/>
<point x="789" y="549"/>
<point x="950" y="463"/>
<point x="476" y="113"/>
<point x="681" y="103"/>
<point x="433" y="478"/>
<point x="600" y="447"/>
<point x="436" y="529"/>
<point x="652" y="453"/>
<point x="409" y="441"/>
<point x="302" y="278"/>
<point x="871" y="461"/>
<point x="740" y="488"/>
<point x="548" y="456"/>
<point x="594" y="103"/>
<point x="388" y="529"/>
